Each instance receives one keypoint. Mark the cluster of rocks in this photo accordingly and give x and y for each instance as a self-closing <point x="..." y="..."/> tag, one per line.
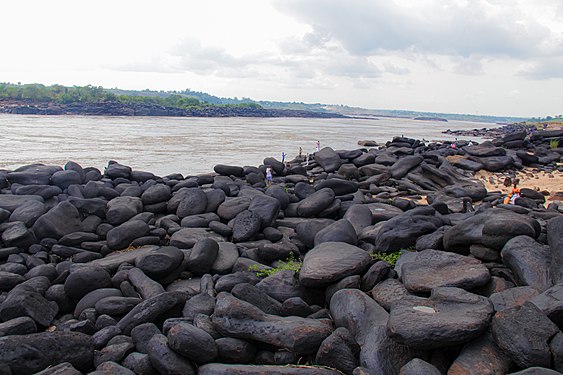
<point x="126" y="272"/>
<point x="499" y="132"/>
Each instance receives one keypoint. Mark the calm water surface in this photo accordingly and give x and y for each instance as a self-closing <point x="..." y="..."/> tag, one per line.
<point x="165" y="145"/>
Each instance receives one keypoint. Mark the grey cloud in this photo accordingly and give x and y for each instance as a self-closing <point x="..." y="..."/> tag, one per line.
<point x="468" y="66"/>
<point x="544" y="69"/>
<point x="395" y="69"/>
<point x="365" y="28"/>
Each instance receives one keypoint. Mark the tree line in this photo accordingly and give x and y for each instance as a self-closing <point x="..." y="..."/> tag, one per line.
<point x="96" y="94"/>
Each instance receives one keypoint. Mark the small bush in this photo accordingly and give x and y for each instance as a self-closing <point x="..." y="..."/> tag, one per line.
<point x="291" y="263"/>
<point x="554" y="143"/>
<point x="390" y="258"/>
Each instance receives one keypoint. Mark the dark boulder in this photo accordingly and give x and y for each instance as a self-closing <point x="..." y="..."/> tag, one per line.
<point x="332" y="261"/>
<point x="451" y="316"/>
<point x="62" y="219"/>
<point x="239" y="319"/>
<point x="529" y="261"/>
<point x="84" y="280"/>
<point x="524" y="333"/>
<point x="555" y="241"/>
<point x="28" y="354"/>
<point x="328" y="159"/>
<point x="246" y="226"/>
<point x="316" y="203"/>
<point x="121" y="236"/>
<point x="339" y="231"/>
<point x="165" y="360"/>
<point x="161" y="262"/>
<point x="192" y="343"/>
<point x="401" y="167"/>
<point x="423" y="271"/>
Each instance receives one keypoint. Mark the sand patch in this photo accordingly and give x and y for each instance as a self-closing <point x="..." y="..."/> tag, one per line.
<point x="550" y="183"/>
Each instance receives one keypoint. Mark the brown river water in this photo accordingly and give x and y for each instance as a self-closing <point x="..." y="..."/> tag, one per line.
<point x="187" y="145"/>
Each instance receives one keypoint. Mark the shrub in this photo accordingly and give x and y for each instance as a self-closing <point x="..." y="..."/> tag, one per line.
<point x="291" y="263"/>
<point x="554" y="143"/>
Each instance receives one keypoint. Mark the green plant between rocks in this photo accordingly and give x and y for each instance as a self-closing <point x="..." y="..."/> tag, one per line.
<point x="390" y="258"/>
<point x="291" y="264"/>
<point x="554" y="143"/>
<point x="393" y="257"/>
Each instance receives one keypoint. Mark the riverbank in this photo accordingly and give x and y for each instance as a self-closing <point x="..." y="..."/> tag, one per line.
<point x="29" y="107"/>
<point x="123" y="271"/>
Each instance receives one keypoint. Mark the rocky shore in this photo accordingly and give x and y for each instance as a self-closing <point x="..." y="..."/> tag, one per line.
<point x="124" y="272"/>
<point x="26" y="107"/>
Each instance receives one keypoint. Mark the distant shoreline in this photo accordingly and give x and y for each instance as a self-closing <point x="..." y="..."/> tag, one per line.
<point x="28" y="107"/>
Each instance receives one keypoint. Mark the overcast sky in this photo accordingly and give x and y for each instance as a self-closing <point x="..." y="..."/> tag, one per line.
<point x="498" y="57"/>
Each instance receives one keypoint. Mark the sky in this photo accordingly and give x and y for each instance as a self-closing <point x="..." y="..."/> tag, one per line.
<point x="486" y="57"/>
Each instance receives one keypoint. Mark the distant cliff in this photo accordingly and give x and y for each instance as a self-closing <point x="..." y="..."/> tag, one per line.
<point x="29" y="107"/>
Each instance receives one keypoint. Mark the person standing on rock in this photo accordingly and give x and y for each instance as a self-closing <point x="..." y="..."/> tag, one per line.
<point x="300" y="152"/>
<point x="283" y="157"/>
<point x="269" y="176"/>
<point x="318" y="146"/>
<point x="307" y="160"/>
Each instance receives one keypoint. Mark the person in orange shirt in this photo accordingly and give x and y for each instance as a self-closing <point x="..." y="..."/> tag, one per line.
<point x="515" y="193"/>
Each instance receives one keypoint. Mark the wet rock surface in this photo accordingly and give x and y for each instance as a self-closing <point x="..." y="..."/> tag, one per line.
<point x="122" y="271"/>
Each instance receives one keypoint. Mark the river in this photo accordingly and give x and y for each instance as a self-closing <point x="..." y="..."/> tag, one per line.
<point x="187" y="145"/>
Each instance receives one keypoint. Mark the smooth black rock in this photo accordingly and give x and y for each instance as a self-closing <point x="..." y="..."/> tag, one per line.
<point x="24" y="300"/>
<point x="28" y="354"/>
<point x="246" y="225"/>
<point x="8" y="280"/>
<point x="64" y="368"/>
<point x="18" y="326"/>
<point x="193" y="343"/>
<point x="116" y="306"/>
<point x="230" y="369"/>
<point x="161" y="262"/>
<point x="121" y="209"/>
<point x="402" y="231"/>
<point x="203" y="256"/>
<point x="481" y="356"/>
<point x="265" y="207"/>
<point x="165" y="360"/>
<point x="144" y="285"/>
<point x="529" y="261"/>
<point x="121" y="236"/>
<point x="194" y="201"/>
<point x="366" y="321"/>
<point x="328" y="159"/>
<point x="202" y="303"/>
<point x="450" y="316"/>
<point x="330" y="262"/>
<point x="428" y="269"/>
<point x="231" y="207"/>
<point x="555" y="241"/>
<point x="186" y="238"/>
<point x="233" y="350"/>
<point x="236" y="318"/>
<point x="524" y="333"/>
<point x="85" y="279"/>
<point x="339" y="351"/>
<point x="513" y="297"/>
<point x="340" y="231"/>
<point x="28" y="212"/>
<point x="64" y="179"/>
<point x="89" y="300"/>
<point x="402" y="166"/>
<point x="151" y="310"/>
<point x="251" y="294"/>
<point x="62" y="219"/>
<point x="417" y="366"/>
<point x="550" y="303"/>
<point x="316" y="203"/>
<point x="141" y="335"/>
<point x="139" y="363"/>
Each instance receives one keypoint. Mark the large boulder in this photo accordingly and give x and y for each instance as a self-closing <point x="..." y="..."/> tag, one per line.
<point x="121" y="236"/>
<point x="340" y="231"/>
<point x="555" y="241"/>
<point x="423" y="271"/>
<point x="121" y="209"/>
<point x="332" y="261"/>
<point x="239" y="319"/>
<point x="26" y="354"/>
<point x="529" y="261"/>
<point x="315" y="203"/>
<point x="62" y="219"/>
<point x="524" y="333"/>
<point x="328" y="159"/>
<point x="402" y="166"/>
<point x="451" y="316"/>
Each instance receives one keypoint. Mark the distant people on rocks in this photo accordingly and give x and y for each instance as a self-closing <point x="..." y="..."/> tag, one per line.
<point x="300" y="152"/>
<point x="318" y="146"/>
<point x="283" y="157"/>
<point x="269" y="176"/>
<point x="307" y="160"/>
